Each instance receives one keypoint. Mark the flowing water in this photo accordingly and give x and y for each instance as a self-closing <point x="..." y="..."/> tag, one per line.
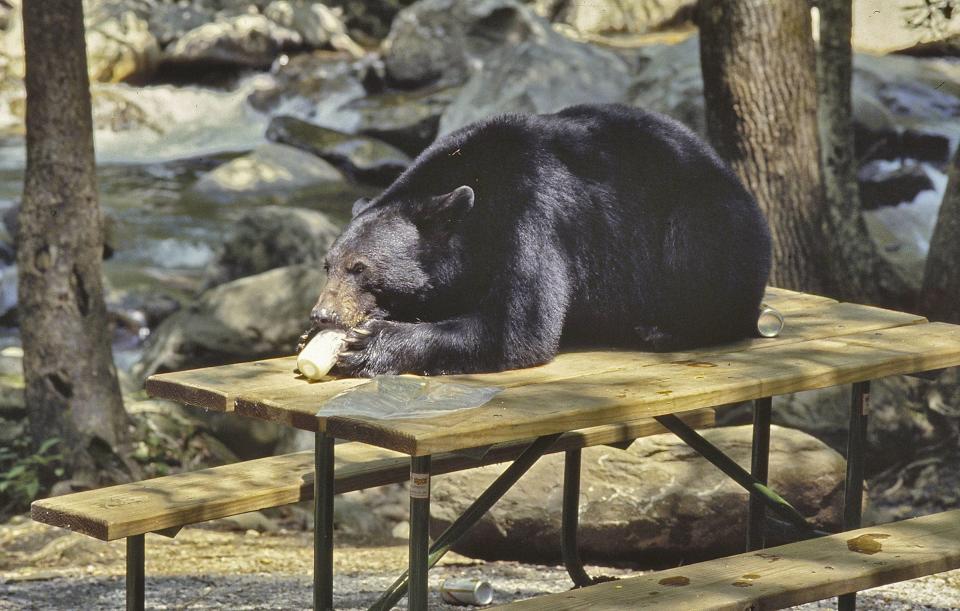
<point x="164" y="236"/>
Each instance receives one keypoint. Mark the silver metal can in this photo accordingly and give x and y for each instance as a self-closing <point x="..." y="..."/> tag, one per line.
<point x="769" y="321"/>
<point x="462" y="591"/>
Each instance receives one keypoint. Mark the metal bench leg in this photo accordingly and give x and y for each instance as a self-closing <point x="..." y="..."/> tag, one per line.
<point x="323" y="522"/>
<point x="471" y="516"/>
<point x="571" y="519"/>
<point x="135" y="581"/>
<point x="853" y="488"/>
<point x="419" y="532"/>
<point x="760" y="459"/>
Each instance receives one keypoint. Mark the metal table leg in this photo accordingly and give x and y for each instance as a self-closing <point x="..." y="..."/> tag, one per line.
<point x="135" y="580"/>
<point x="571" y="519"/>
<point x="323" y="522"/>
<point x="853" y="488"/>
<point x="419" y="532"/>
<point x="471" y="516"/>
<point x="756" y="512"/>
<point x="771" y="499"/>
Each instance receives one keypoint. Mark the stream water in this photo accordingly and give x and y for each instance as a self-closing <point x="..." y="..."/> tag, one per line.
<point x="164" y="235"/>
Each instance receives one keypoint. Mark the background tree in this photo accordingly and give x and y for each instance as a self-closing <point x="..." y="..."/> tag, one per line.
<point x="759" y="77"/>
<point x="940" y="296"/>
<point x="71" y="383"/>
<point x="858" y="272"/>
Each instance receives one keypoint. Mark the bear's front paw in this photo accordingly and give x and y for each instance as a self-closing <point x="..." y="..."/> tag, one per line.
<point x="370" y="350"/>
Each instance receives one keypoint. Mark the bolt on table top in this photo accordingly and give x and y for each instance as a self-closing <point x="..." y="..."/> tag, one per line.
<point x="824" y="343"/>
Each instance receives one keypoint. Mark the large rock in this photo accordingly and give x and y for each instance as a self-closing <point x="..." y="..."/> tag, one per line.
<point x="541" y="75"/>
<point x="616" y="16"/>
<point x="270" y="170"/>
<point x="316" y="24"/>
<point x="364" y="159"/>
<point x="247" y="41"/>
<point x="882" y="27"/>
<point x="274" y="236"/>
<point x="447" y="40"/>
<point x="120" y="45"/>
<point x="658" y="502"/>
<point x="314" y="86"/>
<point x="254" y="317"/>
<point x="409" y="120"/>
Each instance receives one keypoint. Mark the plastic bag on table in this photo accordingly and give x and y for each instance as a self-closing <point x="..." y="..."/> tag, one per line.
<point x="387" y="397"/>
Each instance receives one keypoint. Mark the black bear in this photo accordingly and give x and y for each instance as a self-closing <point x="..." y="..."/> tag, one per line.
<point x="599" y="224"/>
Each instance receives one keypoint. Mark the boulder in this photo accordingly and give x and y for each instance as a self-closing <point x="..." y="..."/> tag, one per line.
<point x="542" y="75"/>
<point x="243" y="41"/>
<point x="364" y="159"/>
<point x="120" y="45"/>
<point x="616" y="16"/>
<point x="269" y="170"/>
<point x="880" y="28"/>
<point x="671" y="83"/>
<point x="447" y="40"/>
<point x="881" y="185"/>
<point x="269" y="237"/>
<point x="316" y="24"/>
<point x="370" y="19"/>
<point x="254" y="317"/>
<point x="314" y="86"/>
<point x="656" y="503"/>
<point x="407" y="120"/>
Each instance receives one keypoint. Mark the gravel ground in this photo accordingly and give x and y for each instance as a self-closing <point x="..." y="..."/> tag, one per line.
<point x="43" y="568"/>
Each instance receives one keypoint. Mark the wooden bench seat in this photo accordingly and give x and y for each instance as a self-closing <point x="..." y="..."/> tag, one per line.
<point x="170" y="502"/>
<point x="782" y="576"/>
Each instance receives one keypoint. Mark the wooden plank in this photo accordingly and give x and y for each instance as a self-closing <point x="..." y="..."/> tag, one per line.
<point x="781" y="576"/>
<point x="294" y="403"/>
<point x="640" y="392"/>
<point x="217" y="388"/>
<point x="186" y="498"/>
<point x="786" y="301"/>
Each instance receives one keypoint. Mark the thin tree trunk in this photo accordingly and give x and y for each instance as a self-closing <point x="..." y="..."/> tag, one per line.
<point x="858" y="272"/>
<point x="940" y="296"/>
<point x="759" y="78"/>
<point x="71" y="383"/>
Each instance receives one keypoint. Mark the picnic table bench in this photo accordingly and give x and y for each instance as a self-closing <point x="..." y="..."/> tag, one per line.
<point x="824" y="343"/>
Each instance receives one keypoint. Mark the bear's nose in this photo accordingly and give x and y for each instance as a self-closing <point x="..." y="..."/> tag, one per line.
<point x="322" y="316"/>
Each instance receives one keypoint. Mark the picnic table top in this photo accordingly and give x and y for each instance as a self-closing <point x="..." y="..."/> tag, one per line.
<point x="824" y="343"/>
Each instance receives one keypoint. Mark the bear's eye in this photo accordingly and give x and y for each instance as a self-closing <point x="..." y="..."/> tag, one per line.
<point x="357" y="268"/>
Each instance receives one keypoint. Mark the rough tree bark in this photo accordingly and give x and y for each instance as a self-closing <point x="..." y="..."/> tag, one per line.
<point x="71" y="383"/>
<point x="857" y="271"/>
<point x="759" y="78"/>
<point x="940" y="296"/>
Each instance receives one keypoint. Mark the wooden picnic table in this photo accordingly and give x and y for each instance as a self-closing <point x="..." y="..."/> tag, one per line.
<point x="824" y="343"/>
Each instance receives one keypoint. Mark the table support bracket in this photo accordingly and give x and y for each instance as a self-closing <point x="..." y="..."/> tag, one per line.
<point x="135" y="573"/>
<point x="323" y="522"/>
<point x="759" y="469"/>
<point x="471" y="516"/>
<point x="853" y="488"/>
<point x="726" y="464"/>
<point x="571" y="519"/>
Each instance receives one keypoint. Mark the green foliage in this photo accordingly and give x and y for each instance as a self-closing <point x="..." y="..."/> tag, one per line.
<point x="24" y="473"/>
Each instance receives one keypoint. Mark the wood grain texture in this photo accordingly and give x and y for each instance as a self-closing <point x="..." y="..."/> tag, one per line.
<point x="823" y="343"/>
<point x="186" y="498"/>
<point x="781" y="576"/>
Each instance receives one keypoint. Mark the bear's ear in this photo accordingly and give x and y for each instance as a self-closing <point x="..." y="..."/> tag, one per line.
<point x="359" y="206"/>
<point x="451" y="206"/>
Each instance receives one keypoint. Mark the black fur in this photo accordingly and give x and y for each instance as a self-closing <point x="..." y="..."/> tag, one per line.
<point x="602" y="225"/>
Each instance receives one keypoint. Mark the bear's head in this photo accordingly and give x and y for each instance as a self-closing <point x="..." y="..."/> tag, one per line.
<point x="392" y="257"/>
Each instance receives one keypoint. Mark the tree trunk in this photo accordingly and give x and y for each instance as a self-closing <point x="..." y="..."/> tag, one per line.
<point x="71" y="383"/>
<point x="858" y="272"/>
<point x="759" y="80"/>
<point x="940" y="296"/>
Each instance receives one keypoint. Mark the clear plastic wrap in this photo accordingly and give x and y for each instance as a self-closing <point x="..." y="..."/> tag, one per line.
<point x="391" y="397"/>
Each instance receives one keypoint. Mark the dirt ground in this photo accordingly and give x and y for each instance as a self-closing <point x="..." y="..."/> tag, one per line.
<point x="205" y="568"/>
